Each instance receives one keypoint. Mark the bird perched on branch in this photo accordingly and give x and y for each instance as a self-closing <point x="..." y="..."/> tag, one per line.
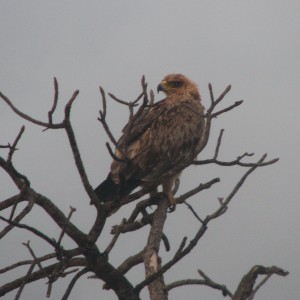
<point x="158" y="145"/>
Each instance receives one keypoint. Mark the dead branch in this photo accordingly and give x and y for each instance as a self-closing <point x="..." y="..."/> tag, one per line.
<point x="27" y="117"/>
<point x="127" y="227"/>
<point x="205" y="281"/>
<point x="37" y="275"/>
<point x="73" y="281"/>
<point x="131" y="262"/>
<point x="33" y="230"/>
<point x="96" y="262"/>
<point x="236" y="162"/>
<point x="35" y="259"/>
<point x="199" y="233"/>
<point x="19" y="179"/>
<point x="245" y="288"/>
<point x="18" y="218"/>
<point x="114" y="239"/>
<point x="190" y="207"/>
<point x="152" y="261"/>
<point x="25" y="281"/>
<point x="13" y="147"/>
<point x="77" y="156"/>
<point x="102" y="120"/>
<point x="55" y="100"/>
<point x="199" y="188"/>
<point x="121" y="101"/>
<point x="72" y="210"/>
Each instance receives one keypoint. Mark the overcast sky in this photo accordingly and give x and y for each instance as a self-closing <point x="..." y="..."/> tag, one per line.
<point x="253" y="45"/>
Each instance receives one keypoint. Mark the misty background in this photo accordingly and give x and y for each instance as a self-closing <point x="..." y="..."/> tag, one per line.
<point x="252" y="45"/>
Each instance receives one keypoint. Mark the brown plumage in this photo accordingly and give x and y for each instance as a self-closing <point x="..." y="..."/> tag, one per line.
<point x="159" y="145"/>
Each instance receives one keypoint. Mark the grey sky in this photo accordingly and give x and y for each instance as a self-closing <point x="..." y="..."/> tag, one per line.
<point x="253" y="45"/>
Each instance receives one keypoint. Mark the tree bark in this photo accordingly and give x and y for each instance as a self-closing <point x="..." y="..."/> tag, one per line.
<point x="152" y="261"/>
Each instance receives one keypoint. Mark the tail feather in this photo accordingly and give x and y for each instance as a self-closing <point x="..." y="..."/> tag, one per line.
<point x="108" y="190"/>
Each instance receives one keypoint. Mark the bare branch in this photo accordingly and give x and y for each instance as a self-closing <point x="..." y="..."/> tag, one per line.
<point x="103" y="113"/>
<point x="73" y="281"/>
<point x="205" y="281"/>
<point x="218" y="144"/>
<point x="236" y="162"/>
<point x="19" y="179"/>
<point x="28" y="118"/>
<point x="245" y="288"/>
<point x="121" y="101"/>
<point x="166" y="242"/>
<point x="18" y="218"/>
<point x="68" y="253"/>
<point x="69" y="105"/>
<point x="24" y="281"/>
<point x="4" y="204"/>
<point x="127" y="227"/>
<point x="31" y="229"/>
<point x="151" y="259"/>
<point x="237" y="103"/>
<point x="181" y="246"/>
<point x="98" y="262"/>
<point x="34" y="276"/>
<point x="77" y="156"/>
<point x="35" y="259"/>
<point x="213" y="284"/>
<point x="130" y="262"/>
<point x="199" y="188"/>
<point x="72" y="210"/>
<point x="55" y="100"/>
<point x="199" y="233"/>
<point x="211" y="93"/>
<point x="193" y="211"/>
<point x="114" y="239"/>
<point x="102" y="120"/>
<point x="13" y="147"/>
<point x="225" y="203"/>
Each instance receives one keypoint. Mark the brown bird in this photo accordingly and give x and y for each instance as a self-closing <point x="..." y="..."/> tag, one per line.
<point x="159" y="145"/>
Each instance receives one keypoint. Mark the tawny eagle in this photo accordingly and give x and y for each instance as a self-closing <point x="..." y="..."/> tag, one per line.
<point x="159" y="145"/>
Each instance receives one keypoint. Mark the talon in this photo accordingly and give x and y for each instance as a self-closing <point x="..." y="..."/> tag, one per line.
<point x="167" y="189"/>
<point x="172" y="202"/>
<point x="172" y="207"/>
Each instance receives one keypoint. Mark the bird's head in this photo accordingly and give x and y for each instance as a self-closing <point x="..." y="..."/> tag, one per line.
<point x="177" y="83"/>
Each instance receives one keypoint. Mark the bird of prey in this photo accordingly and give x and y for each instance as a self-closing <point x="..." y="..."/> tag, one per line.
<point x="159" y="145"/>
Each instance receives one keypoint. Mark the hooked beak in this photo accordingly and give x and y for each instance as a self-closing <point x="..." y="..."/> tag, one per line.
<point x="160" y="87"/>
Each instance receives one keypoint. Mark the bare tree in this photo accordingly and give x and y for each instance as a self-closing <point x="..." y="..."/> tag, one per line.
<point x="86" y="256"/>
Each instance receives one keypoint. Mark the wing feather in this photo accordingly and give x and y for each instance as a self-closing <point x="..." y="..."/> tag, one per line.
<point x="162" y="143"/>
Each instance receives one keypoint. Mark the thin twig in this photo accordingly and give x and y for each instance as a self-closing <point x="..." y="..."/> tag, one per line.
<point x="181" y="246"/>
<point x="114" y="239"/>
<point x="121" y="101"/>
<point x="72" y="210"/>
<point x="218" y="144"/>
<point x="13" y="147"/>
<point x="193" y="211"/>
<point x="33" y="230"/>
<point x="205" y="281"/>
<point x="103" y="97"/>
<point x="77" y="156"/>
<point x="27" y="117"/>
<point x="24" y="281"/>
<point x="72" y="283"/>
<point x="69" y="104"/>
<point x="25" y="211"/>
<point x="55" y="100"/>
<point x="35" y="259"/>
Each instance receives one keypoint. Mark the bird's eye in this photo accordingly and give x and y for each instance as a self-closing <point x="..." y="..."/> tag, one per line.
<point x="175" y="84"/>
